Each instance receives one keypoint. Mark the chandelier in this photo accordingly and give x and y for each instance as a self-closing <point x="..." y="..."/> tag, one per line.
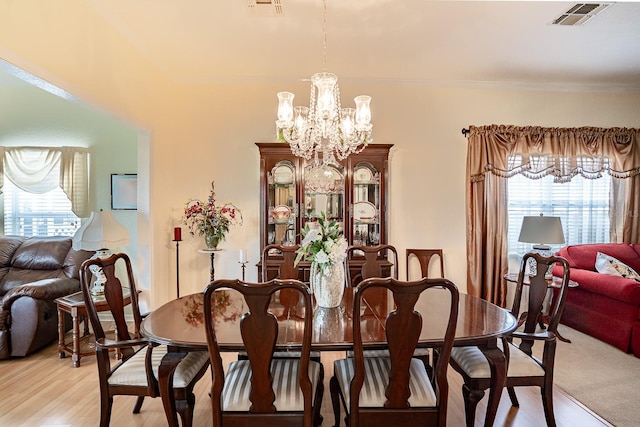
<point x="324" y="130"/>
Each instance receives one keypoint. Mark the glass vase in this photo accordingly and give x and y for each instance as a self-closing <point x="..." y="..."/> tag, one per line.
<point x="211" y="242"/>
<point x="327" y="289"/>
<point x="329" y="322"/>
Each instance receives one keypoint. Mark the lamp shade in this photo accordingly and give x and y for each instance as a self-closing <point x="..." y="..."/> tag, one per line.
<point x="101" y="231"/>
<point x="542" y="230"/>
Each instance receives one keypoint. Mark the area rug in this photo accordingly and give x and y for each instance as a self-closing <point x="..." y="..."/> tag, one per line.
<point x="600" y="376"/>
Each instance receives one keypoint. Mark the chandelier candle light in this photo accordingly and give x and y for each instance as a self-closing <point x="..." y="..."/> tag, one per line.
<point x="324" y="128"/>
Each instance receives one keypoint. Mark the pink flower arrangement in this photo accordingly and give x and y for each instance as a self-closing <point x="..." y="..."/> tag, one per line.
<point x="207" y="218"/>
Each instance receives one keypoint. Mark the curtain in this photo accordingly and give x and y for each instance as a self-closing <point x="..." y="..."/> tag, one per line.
<point x="497" y="152"/>
<point x="41" y="169"/>
<point x="625" y="210"/>
<point x="487" y="238"/>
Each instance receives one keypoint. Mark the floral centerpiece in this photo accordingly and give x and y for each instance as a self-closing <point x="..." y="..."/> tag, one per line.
<point x="211" y="220"/>
<point x="326" y="248"/>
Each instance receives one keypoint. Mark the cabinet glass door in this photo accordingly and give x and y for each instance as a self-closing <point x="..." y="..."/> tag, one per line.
<point x="282" y="213"/>
<point x="296" y="191"/>
<point x="366" y="205"/>
<point x="324" y="193"/>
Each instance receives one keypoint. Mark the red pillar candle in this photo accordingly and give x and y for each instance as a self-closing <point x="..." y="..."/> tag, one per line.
<point x="177" y="234"/>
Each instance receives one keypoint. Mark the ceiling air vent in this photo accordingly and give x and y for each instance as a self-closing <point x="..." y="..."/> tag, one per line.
<point x="580" y="13"/>
<point x="265" y="7"/>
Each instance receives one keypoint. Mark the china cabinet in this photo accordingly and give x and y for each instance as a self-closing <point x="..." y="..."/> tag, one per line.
<point x="294" y="192"/>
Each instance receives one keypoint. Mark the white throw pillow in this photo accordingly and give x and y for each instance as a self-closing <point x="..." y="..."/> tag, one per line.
<point x="606" y="264"/>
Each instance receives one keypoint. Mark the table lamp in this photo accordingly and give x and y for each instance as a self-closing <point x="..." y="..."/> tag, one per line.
<point x="100" y="233"/>
<point x="542" y="231"/>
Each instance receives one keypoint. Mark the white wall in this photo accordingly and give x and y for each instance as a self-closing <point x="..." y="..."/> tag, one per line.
<point x="197" y="134"/>
<point x="30" y="116"/>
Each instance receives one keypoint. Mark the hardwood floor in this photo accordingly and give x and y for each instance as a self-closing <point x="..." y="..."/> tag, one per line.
<point x="43" y="390"/>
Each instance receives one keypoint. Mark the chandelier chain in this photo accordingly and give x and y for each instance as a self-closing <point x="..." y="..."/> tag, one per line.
<point x="324" y="34"/>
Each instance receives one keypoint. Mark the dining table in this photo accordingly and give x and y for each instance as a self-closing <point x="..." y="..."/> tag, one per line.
<point x="179" y="324"/>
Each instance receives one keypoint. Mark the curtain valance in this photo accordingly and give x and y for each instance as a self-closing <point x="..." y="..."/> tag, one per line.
<point x="41" y="169"/>
<point x="562" y="152"/>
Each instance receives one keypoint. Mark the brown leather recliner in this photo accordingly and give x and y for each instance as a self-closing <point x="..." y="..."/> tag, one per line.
<point x="34" y="272"/>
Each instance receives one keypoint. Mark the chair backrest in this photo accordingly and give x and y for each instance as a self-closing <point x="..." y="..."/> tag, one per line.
<point x="538" y="286"/>
<point x="282" y="257"/>
<point x="365" y="262"/>
<point x="259" y="330"/>
<point x="403" y="328"/>
<point x="116" y="269"/>
<point x="424" y="258"/>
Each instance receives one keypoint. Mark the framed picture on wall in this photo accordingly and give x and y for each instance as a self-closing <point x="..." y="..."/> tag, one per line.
<point x="124" y="191"/>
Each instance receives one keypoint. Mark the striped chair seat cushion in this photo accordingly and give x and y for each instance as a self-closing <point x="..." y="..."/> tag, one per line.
<point x="237" y="385"/>
<point x="376" y="379"/>
<point x="315" y="355"/>
<point x="132" y="371"/>
<point x="475" y="364"/>
<point x="419" y="352"/>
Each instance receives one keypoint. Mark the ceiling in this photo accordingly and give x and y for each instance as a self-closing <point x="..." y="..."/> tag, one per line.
<point x="388" y="41"/>
<point x="414" y="42"/>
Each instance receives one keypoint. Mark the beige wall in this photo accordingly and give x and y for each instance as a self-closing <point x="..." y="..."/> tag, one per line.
<point x="191" y="135"/>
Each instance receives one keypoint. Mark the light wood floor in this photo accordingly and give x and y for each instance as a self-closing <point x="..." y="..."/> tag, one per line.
<point x="43" y="390"/>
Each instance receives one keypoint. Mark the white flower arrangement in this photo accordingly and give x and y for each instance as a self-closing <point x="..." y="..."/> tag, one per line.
<point x="324" y="245"/>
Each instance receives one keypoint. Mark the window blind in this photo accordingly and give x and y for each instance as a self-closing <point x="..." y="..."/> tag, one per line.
<point x="582" y="205"/>
<point x="29" y="214"/>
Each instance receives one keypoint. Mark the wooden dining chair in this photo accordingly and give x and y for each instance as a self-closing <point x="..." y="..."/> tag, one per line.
<point x="373" y="261"/>
<point x="136" y="373"/>
<point x="280" y="258"/>
<point x="396" y="390"/>
<point x="263" y="390"/>
<point x="524" y="368"/>
<point x="364" y="262"/>
<point x="424" y="258"/>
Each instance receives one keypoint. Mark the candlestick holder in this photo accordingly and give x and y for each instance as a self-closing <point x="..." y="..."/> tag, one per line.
<point x="244" y="266"/>
<point x="177" y="268"/>
<point x="177" y="237"/>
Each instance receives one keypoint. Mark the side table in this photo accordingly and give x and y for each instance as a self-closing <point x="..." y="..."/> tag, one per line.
<point x="554" y="285"/>
<point x="81" y="345"/>
<point x="212" y="253"/>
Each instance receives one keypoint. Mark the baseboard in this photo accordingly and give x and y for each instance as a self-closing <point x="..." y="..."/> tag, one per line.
<point x="586" y="409"/>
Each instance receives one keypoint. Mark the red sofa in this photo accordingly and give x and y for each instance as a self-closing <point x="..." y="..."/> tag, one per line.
<point x="604" y="306"/>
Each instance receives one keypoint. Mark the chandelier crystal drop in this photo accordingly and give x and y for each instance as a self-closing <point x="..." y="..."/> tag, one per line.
<point x="324" y="130"/>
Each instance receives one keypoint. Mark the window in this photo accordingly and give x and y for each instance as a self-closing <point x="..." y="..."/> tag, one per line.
<point x="29" y="214"/>
<point x="582" y="205"/>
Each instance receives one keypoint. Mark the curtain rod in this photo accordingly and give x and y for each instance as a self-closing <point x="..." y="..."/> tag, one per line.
<point x="465" y="131"/>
